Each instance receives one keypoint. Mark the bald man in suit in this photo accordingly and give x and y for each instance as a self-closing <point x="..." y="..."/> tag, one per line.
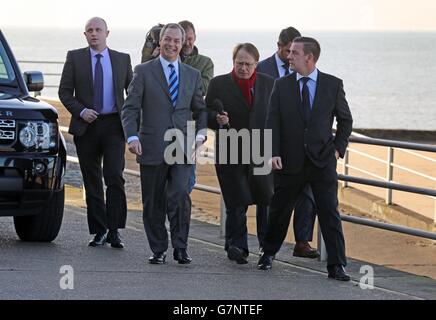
<point x="92" y="89"/>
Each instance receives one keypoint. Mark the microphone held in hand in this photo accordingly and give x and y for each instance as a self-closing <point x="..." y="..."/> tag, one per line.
<point x="219" y="107"/>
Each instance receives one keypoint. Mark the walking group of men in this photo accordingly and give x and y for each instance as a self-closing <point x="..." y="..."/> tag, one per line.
<point x="285" y="93"/>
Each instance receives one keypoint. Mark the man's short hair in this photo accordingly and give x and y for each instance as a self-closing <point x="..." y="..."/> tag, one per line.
<point x="172" y="26"/>
<point x="249" y="47"/>
<point x="96" y="18"/>
<point x="287" y="35"/>
<point x="310" y="45"/>
<point x="185" y="24"/>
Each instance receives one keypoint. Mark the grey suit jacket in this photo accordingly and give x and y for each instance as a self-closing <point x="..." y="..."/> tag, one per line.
<point x="76" y="86"/>
<point x="269" y="67"/>
<point x="148" y="111"/>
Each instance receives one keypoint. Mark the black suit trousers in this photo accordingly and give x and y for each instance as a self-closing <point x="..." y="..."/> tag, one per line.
<point x="287" y="187"/>
<point x="104" y="142"/>
<point x="165" y="191"/>
<point x="304" y="217"/>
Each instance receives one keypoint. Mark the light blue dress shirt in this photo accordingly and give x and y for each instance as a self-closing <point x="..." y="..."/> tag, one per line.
<point x="280" y="68"/>
<point x="108" y="81"/>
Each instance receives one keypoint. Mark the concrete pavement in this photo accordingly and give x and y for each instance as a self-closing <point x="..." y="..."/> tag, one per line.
<point x="32" y="270"/>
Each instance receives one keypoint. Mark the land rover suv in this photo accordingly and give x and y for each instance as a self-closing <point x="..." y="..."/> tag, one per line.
<point x="32" y="154"/>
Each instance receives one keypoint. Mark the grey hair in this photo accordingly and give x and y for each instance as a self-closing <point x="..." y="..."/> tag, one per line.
<point x="173" y="26"/>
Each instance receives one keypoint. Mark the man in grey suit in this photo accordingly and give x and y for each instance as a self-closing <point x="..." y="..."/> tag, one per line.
<point x="92" y="89"/>
<point x="277" y="66"/>
<point x="163" y="95"/>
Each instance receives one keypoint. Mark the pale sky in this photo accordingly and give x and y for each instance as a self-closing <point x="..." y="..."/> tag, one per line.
<point x="319" y="15"/>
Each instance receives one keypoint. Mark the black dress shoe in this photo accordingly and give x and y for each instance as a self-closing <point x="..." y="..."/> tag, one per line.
<point x="237" y="254"/>
<point x="265" y="261"/>
<point x="181" y="256"/>
<point x="98" y="240"/>
<point x="113" y="237"/>
<point x="337" y="272"/>
<point x="157" y="258"/>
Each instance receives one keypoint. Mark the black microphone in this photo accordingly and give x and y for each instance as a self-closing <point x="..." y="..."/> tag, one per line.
<point x="219" y="107"/>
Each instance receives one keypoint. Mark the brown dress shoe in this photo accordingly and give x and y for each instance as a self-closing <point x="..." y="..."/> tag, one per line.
<point x="303" y="249"/>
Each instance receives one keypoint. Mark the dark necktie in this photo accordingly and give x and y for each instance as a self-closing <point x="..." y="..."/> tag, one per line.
<point x="98" y="84"/>
<point x="286" y="67"/>
<point x="305" y="99"/>
<point x="173" y="85"/>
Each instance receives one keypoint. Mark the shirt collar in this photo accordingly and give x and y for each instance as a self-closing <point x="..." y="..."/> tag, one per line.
<point x="104" y="53"/>
<point x="313" y="76"/>
<point x="279" y="61"/>
<point x="165" y="63"/>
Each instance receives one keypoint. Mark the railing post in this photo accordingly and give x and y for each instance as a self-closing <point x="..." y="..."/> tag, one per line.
<point x="222" y="217"/>
<point x="321" y="246"/>
<point x="434" y="215"/>
<point x="389" y="174"/>
<point x="345" y="167"/>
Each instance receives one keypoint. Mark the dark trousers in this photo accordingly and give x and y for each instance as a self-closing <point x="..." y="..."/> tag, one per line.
<point x="236" y="227"/>
<point x="304" y="217"/>
<point x="324" y="183"/>
<point x="103" y="141"/>
<point x="165" y="192"/>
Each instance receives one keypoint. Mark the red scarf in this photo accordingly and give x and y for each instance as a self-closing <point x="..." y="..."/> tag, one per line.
<point x="246" y="85"/>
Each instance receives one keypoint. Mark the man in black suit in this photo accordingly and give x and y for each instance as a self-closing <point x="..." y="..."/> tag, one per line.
<point x="277" y="66"/>
<point x="91" y="88"/>
<point x="302" y="108"/>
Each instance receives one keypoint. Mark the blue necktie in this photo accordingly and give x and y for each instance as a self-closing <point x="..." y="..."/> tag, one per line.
<point x="98" y="84"/>
<point x="305" y="99"/>
<point x="173" y="85"/>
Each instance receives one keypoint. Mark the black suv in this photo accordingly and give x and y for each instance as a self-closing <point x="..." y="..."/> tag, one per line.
<point x="32" y="154"/>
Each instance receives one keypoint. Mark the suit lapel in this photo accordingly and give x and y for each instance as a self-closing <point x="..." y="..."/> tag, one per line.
<point x="274" y="66"/>
<point x="258" y="92"/>
<point x="115" y="63"/>
<point x="158" y="73"/>
<point x="182" y="82"/>
<point x="88" y="67"/>
<point x="320" y="87"/>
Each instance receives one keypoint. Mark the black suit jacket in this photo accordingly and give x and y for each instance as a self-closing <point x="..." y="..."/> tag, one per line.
<point x="76" y="86"/>
<point x="269" y="67"/>
<point x="293" y="139"/>
<point x="239" y="185"/>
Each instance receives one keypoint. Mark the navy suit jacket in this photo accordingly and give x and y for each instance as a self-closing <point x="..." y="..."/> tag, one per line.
<point x="269" y="67"/>
<point x="293" y="138"/>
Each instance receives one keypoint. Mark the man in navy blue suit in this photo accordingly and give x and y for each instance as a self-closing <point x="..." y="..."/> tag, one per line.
<point x="277" y="66"/>
<point x="302" y="108"/>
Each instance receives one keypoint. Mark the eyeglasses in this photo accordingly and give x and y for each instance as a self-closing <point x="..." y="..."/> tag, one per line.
<point x="246" y="64"/>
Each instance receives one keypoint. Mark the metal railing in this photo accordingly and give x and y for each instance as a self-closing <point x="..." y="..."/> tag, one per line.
<point x="392" y="146"/>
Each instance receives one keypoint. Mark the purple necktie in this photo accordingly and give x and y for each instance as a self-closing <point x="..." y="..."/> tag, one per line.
<point x="98" y="85"/>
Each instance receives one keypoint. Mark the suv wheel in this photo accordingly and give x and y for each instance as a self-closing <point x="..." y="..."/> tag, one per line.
<point x="45" y="226"/>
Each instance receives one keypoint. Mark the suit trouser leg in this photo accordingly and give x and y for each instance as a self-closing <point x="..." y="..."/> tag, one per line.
<point x="324" y="184"/>
<point x="304" y="215"/>
<point x="90" y="155"/>
<point x="261" y="222"/>
<point x="286" y="190"/>
<point x="113" y="145"/>
<point x="153" y="181"/>
<point x="236" y="227"/>
<point x="179" y="204"/>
